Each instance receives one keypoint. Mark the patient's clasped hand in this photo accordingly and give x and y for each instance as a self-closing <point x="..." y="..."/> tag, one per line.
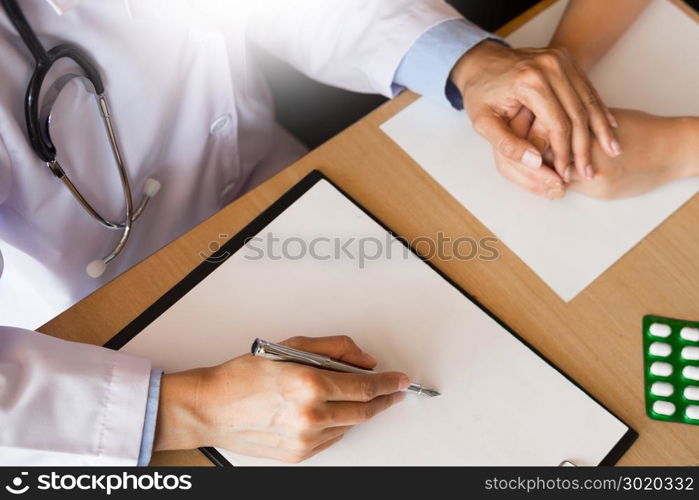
<point x="652" y="150"/>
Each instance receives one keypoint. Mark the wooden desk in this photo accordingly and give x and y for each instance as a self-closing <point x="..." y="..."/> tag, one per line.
<point x="595" y="338"/>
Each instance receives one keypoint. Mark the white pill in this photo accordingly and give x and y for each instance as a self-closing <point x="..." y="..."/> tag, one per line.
<point x="660" y="349"/>
<point x="660" y="330"/>
<point x="664" y="407"/>
<point x="662" y="389"/>
<point x="691" y="372"/>
<point x="691" y="353"/>
<point x="691" y="334"/>
<point x="692" y="392"/>
<point x="661" y="369"/>
<point x="693" y="412"/>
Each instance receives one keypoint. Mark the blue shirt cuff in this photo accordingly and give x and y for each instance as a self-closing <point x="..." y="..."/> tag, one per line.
<point x="151" y="418"/>
<point x="426" y="67"/>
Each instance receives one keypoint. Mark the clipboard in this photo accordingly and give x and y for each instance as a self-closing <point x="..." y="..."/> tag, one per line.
<point x="318" y="183"/>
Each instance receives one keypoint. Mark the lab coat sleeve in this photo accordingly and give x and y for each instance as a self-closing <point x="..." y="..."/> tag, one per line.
<point x="352" y="44"/>
<point x="64" y="403"/>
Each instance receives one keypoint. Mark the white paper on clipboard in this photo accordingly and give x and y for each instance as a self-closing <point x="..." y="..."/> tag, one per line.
<point x="501" y="403"/>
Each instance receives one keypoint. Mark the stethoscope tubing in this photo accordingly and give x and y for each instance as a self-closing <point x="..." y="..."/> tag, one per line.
<point x="40" y="139"/>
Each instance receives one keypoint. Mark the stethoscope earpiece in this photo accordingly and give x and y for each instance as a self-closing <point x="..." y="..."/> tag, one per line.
<point x="96" y="268"/>
<point x="39" y="118"/>
<point x="151" y="188"/>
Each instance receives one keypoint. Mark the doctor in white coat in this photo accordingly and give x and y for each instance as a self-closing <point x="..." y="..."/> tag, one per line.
<point x="193" y="113"/>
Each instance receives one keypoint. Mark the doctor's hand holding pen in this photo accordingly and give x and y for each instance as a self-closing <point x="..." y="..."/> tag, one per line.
<point x="283" y="411"/>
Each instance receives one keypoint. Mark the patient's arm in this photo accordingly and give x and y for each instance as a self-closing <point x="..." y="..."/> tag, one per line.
<point x="589" y="28"/>
<point x="656" y="150"/>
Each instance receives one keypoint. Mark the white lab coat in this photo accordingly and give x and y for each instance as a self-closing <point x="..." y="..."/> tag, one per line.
<point x="192" y="111"/>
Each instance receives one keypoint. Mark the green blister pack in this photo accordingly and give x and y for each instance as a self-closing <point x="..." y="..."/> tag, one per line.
<point x="671" y="369"/>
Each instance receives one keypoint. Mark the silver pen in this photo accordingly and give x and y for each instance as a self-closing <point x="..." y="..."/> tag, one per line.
<point x="278" y="352"/>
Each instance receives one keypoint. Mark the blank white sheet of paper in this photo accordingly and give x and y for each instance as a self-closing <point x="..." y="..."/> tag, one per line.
<point x="501" y="404"/>
<point x="569" y="242"/>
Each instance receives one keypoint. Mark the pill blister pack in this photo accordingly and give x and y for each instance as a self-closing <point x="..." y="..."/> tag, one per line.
<point x="671" y="365"/>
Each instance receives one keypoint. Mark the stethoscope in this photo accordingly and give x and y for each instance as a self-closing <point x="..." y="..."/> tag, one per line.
<point x="38" y="121"/>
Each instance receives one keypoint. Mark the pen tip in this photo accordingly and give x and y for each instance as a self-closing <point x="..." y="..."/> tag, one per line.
<point x="431" y="392"/>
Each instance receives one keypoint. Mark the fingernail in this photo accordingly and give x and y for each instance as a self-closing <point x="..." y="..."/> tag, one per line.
<point x="554" y="194"/>
<point x="531" y="159"/>
<point x="403" y="382"/>
<point x="616" y="148"/>
<point x="554" y="185"/>
<point x="539" y="143"/>
<point x="589" y="172"/>
<point x="612" y="120"/>
<point x="567" y="174"/>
